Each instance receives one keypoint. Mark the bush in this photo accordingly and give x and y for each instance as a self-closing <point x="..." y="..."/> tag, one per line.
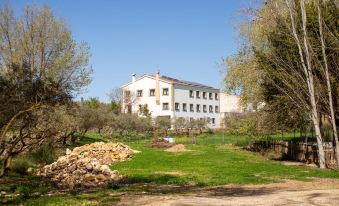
<point x="20" y="165"/>
<point x="45" y="154"/>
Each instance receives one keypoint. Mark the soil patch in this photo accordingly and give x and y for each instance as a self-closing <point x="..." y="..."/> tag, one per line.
<point x="176" y="173"/>
<point x="290" y="192"/>
<point x="177" y="148"/>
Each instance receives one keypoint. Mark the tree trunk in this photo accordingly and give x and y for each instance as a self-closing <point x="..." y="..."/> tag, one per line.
<point x="5" y="167"/>
<point x="321" y="153"/>
<point x="329" y="87"/>
<point x="308" y="72"/>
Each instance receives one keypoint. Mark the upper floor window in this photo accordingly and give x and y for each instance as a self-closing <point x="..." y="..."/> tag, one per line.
<point x="216" y="96"/>
<point x="165" y="91"/>
<point x="165" y="106"/>
<point x="139" y="93"/>
<point x="177" y="107"/>
<point x="204" y="95"/>
<point x="210" y="95"/>
<point x="216" y="109"/>
<point x="204" y="108"/>
<point x="152" y="92"/>
<point x="184" y="107"/>
<point x="191" y="108"/>
<point x="191" y="94"/>
<point x="198" y="107"/>
<point x="197" y="94"/>
<point x="211" y="109"/>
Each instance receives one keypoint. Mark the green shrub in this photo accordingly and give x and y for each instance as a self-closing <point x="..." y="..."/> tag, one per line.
<point x="45" y="154"/>
<point x="20" y="165"/>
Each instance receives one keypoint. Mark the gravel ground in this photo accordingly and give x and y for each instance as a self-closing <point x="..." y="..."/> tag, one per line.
<point x="316" y="192"/>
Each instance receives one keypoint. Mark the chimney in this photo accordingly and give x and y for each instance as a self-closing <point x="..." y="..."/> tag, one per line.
<point x="157" y="88"/>
<point x="134" y="76"/>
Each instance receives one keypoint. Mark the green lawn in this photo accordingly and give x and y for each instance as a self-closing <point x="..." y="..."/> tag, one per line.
<point x="213" y="160"/>
<point x="211" y="164"/>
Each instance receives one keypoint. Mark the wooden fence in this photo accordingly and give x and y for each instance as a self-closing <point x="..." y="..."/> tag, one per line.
<point x="296" y="151"/>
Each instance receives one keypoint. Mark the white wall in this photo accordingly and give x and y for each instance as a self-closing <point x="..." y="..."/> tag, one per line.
<point x="230" y="103"/>
<point x="181" y="95"/>
<point x="145" y="84"/>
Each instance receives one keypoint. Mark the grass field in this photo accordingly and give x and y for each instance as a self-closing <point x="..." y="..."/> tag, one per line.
<point x="213" y="160"/>
<point x="211" y="163"/>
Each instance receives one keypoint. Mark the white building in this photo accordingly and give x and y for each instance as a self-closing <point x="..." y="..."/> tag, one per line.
<point x="169" y="97"/>
<point x="230" y="103"/>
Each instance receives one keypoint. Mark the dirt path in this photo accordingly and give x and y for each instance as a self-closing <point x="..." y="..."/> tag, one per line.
<point x="317" y="192"/>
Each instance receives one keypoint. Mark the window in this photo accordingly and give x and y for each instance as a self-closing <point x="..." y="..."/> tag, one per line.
<point x="165" y="91"/>
<point x="204" y="108"/>
<point x="198" y="107"/>
<point x="204" y="96"/>
<point x="210" y="95"/>
<point x="211" y="109"/>
<point x="191" y="94"/>
<point x="177" y="107"/>
<point x="216" y="109"/>
<point x="165" y="106"/>
<point x="213" y="120"/>
<point x="197" y="93"/>
<point x="216" y="96"/>
<point x="127" y="93"/>
<point x="184" y="107"/>
<point x="191" y="108"/>
<point x="152" y="92"/>
<point x="139" y="93"/>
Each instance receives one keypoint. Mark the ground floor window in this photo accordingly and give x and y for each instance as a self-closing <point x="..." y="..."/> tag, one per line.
<point x="177" y="107"/>
<point x="165" y="106"/>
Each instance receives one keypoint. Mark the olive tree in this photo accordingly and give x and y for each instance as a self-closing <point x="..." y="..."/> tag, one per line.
<point x="41" y="66"/>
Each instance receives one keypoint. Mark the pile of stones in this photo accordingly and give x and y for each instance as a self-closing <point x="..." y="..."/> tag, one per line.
<point x="88" y="165"/>
<point x="160" y="143"/>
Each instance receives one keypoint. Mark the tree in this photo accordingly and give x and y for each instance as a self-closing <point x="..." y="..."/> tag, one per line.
<point x="202" y="123"/>
<point x="284" y="41"/>
<point x="116" y="97"/>
<point x="144" y="111"/>
<point x="41" y="66"/>
<point x="163" y="122"/>
<point x="328" y="82"/>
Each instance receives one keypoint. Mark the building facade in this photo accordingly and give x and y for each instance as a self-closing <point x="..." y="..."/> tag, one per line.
<point x="172" y="98"/>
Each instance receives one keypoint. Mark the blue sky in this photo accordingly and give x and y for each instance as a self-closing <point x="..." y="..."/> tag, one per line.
<point x="185" y="39"/>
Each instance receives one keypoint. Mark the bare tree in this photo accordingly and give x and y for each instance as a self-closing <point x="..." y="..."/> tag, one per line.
<point x="304" y="54"/>
<point x="328" y="82"/>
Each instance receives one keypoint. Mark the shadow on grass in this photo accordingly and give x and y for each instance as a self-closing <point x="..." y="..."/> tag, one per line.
<point x="155" y="178"/>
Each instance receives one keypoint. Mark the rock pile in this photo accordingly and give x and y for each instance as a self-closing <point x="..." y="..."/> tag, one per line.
<point x="160" y="143"/>
<point x="88" y="165"/>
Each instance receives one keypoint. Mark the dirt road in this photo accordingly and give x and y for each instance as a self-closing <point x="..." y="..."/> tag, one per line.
<point x="317" y="192"/>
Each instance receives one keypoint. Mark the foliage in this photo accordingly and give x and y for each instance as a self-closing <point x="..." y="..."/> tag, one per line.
<point x="46" y="154"/>
<point x="163" y="122"/>
<point x="41" y="67"/>
<point x="144" y="111"/>
<point x="268" y="67"/>
<point x="116" y="97"/>
<point x="20" y="165"/>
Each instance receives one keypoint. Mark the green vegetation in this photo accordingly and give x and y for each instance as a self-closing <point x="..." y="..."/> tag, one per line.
<point x="208" y="162"/>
